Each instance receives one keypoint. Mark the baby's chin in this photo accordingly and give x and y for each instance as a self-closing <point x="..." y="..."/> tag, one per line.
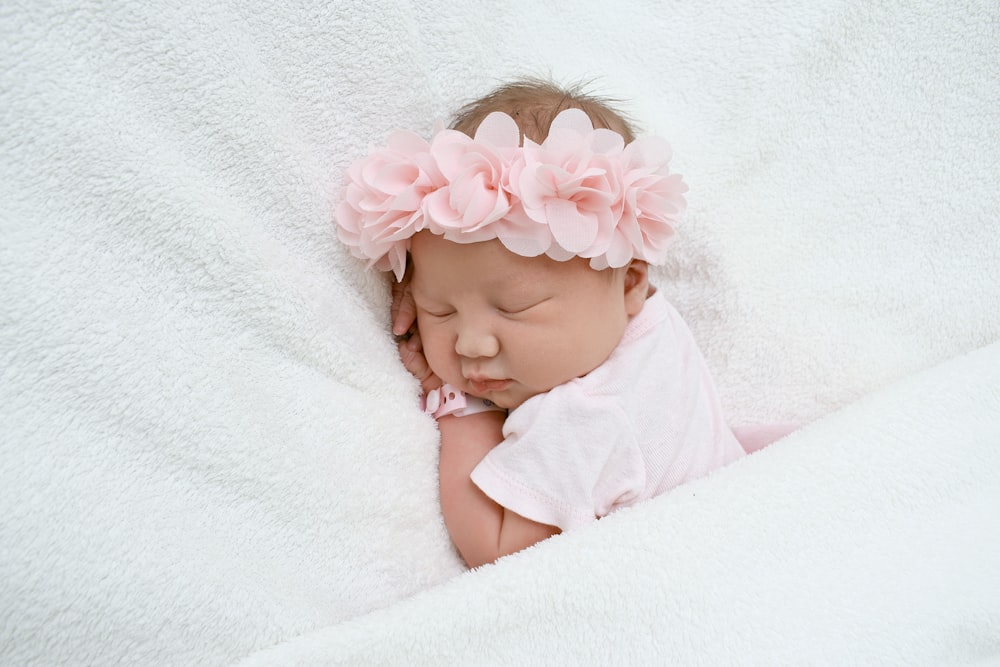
<point x="512" y="398"/>
<point x="507" y="399"/>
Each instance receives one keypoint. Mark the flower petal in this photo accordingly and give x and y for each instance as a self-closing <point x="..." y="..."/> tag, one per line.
<point x="500" y="130"/>
<point x="576" y="120"/>
<point x="573" y="230"/>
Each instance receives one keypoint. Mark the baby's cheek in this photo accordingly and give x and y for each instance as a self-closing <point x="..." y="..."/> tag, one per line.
<point x="441" y="362"/>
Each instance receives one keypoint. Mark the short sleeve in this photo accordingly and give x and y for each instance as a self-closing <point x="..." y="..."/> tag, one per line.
<point x="566" y="459"/>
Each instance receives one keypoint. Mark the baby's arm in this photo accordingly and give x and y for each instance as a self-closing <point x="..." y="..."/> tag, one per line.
<point x="481" y="529"/>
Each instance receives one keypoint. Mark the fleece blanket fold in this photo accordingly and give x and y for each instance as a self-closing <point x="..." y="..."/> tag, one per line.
<point x="718" y="573"/>
<point x="210" y="454"/>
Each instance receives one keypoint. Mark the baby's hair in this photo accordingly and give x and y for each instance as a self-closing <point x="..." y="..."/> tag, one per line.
<point x="533" y="103"/>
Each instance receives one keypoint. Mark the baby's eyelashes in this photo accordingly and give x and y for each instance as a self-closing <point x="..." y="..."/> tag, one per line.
<point x="517" y="308"/>
<point x="438" y="313"/>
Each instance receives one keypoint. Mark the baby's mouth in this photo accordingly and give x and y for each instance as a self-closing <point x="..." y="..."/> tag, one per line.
<point x="486" y="386"/>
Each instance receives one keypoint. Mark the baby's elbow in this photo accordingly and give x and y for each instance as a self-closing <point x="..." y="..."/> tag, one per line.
<point x="484" y="553"/>
<point x="476" y="562"/>
<point x="515" y="536"/>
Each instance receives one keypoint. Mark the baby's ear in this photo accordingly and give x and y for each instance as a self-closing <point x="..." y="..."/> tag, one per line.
<point x="636" y="286"/>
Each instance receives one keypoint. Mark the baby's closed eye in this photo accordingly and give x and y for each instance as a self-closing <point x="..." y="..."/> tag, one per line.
<point x="517" y="307"/>
<point x="438" y="312"/>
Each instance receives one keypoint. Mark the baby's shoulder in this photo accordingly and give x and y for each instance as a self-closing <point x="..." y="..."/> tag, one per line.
<point x="577" y="404"/>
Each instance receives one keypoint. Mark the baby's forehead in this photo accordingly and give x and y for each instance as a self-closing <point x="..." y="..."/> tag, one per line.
<point x="437" y="261"/>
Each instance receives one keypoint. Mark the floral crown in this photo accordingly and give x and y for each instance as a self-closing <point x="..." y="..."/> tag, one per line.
<point x="580" y="193"/>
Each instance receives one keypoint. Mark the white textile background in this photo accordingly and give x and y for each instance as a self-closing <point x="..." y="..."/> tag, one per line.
<point x="208" y="447"/>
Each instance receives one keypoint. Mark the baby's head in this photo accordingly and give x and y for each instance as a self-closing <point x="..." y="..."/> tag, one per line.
<point x="529" y="226"/>
<point x="534" y="104"/>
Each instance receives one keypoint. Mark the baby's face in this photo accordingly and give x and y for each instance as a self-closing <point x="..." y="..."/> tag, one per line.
<point x="505" y="327"/>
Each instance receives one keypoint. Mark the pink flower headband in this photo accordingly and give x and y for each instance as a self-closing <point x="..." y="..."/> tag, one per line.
<point x="580" y="193"/>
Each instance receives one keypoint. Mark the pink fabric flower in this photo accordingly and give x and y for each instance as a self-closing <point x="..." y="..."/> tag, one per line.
<point x="653" y="198"/>
<point x="474" y="197"/>
<point x="572" y="183"/>
<point x="382" y="205"/>
<point x="515" y="230"/>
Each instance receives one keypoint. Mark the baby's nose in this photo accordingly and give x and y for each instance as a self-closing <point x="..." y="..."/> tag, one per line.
<point x="473" y="342"/>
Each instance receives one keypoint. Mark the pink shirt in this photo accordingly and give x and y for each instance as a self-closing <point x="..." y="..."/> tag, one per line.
<point x="646" y="420"/>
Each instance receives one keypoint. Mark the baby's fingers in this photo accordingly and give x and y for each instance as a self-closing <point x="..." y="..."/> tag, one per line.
<point x="403" y="310"/>
<point x="411" y="353"/>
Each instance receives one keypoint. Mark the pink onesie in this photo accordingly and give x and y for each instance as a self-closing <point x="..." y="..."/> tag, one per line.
<point x="644" y="421"/>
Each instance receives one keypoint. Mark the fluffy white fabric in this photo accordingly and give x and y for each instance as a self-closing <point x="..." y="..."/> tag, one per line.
<point x="209" y="451"/>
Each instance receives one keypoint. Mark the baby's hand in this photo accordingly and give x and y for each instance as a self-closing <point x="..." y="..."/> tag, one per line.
<point x="404" y="325"/>
<point x="411" y="352"/>
<point x="403" y="310"/>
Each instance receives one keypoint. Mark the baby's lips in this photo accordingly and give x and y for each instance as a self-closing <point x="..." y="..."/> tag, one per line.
<point x="487" y="385"/>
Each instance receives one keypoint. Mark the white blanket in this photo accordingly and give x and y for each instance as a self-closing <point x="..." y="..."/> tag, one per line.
<point x="210" y="454"/>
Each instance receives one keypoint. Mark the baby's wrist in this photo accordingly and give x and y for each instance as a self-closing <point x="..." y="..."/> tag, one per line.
<point x="448" y="400"/>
